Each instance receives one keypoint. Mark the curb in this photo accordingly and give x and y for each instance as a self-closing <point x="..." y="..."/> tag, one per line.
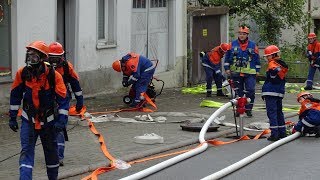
<point x="131" y="157"/>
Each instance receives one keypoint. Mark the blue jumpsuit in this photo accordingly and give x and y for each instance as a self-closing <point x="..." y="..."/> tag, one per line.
<point x="138" y="70"/>
<point x="309" y="116"/>
<point x="72" y="78"/>
<point x="31" y="125"/>
<point x="211" y="62"/>
<point x="273" y="91"/>
<point x="313" y="54"/>
<point x="244" y="62"/>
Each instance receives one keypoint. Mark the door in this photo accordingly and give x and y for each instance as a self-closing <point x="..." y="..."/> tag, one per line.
<point x="205" y="36"/>
<point x="66" y="27"/>
<point x="150" y="30"/>
<point x="5" y="41"/>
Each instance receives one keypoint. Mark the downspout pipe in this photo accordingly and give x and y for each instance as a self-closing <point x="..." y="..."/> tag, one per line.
<point x="181" y="157"/>
<point x="251" y="158"/>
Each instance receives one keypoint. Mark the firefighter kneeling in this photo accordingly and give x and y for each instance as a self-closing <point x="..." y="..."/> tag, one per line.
<point x="309" y="115"/>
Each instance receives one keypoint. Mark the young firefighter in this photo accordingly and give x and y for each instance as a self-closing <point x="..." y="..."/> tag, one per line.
<point x="273" y="91"/>
<point x="313" y="54"/>
<point x="211" y="62"/>
<point x="242" y="63"/>
<point x="138" y="71"/>
<point x="309" y="115"/>
<point x="40" y="88"/>
<point x="56" y="59"/>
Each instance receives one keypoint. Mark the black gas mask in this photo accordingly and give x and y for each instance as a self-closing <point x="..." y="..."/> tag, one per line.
<point x="56" y="61"/>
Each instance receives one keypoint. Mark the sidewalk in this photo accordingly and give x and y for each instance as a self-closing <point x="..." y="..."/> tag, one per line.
<point x="83" y="148"/>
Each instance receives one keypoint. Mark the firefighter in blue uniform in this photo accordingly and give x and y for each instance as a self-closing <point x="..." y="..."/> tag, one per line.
<point x="44" y="111"/>
<point x="211" y="62"/>
<point x="309" y="115"/>
<point x="137" y="71"/>
<point x="273" y="91"/>
<point x="242" y="63"/>
<point x="313" y="54"/>
<point x="56" y="59"/>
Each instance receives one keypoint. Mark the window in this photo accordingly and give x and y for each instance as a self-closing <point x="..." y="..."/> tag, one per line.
<point x="106" y="23"/>
<point x="5" y="42"/>
<point x="158" y="3"/>
<point x="139" y="4"/>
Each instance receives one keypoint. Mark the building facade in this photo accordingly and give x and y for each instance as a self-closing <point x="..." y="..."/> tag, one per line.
<point x="94" y="34"/>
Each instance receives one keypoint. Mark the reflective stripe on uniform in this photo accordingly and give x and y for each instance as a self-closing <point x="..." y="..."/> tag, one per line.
<point x="272" y="94"/>
<point x="217" y="72"/>
<point x="53" y="166"/>
<point x="132" y="78"/>
<point x="14" y="107"/>
<point x="150" y="68"/>
<point x="25" y="115"/>
<point x="258" y="66"/>
<point x="206" y="65"/>
<point x="226" y="64"/>
<point x="63" y="111"/>
<point x="306" y="123"/>
<point x="25" y="165"/>
<point x="50" y="118"/>
<point x="60" y="144"/>
<point x="79" y="93"/>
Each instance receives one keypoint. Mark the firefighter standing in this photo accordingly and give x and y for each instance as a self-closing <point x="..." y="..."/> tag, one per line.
<point x="242" y="63"/>
<point x="273" y="91"/>
<point x="138" y="71"/>
<point x="40" y="89"/>
<point x="211" y="62"/>
<point x="309" y="115"/>
<point x="56" y="59"/>
<point x="313" y="54"/>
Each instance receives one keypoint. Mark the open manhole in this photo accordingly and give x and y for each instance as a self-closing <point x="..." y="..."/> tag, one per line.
<point x="196" y="127"/>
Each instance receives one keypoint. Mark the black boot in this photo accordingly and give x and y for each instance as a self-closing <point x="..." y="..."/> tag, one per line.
<point x="220" y="93"/>
<point x="209" y="93"/>
<point x="308" y="88"/>
<point x="272" y="138"/>
<point x="249" y="113"/>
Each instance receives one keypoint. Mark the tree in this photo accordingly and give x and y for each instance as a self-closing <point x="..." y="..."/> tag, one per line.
<point x="270" y="15"/>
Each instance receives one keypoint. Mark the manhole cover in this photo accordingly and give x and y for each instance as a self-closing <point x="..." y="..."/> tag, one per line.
<point x="196" y="127"/>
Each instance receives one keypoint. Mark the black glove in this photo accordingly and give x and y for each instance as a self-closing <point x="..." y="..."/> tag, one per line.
<point x="262" y="97"/>
<point x="125" y="83"/>
<point x="202" y="54"/>
<point x="13" y="124"/>
<point x="78" y="108"/>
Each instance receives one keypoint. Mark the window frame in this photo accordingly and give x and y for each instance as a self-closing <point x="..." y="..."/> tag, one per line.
<point x="110" y="30"/>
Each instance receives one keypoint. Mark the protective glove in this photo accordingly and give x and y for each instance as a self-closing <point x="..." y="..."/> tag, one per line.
<point x="78" y="108"/>
<point x="309" y="54"/>
<point x="262" y="97"/>
<point x="13" y="124"/>
<point x="125" y="83"/>
<point x="58" y="126"/>
<point x="202" y="54"/>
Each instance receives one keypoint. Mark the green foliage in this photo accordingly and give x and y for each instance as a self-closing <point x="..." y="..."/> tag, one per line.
<point x="270" y="16"/>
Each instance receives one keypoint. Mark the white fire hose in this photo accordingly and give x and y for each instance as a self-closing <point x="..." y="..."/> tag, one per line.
<point x="251" y="158"/>
<point x="185" y="155"/>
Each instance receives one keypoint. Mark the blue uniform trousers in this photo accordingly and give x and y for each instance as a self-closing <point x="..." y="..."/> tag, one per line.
<point x="311" y="73"/>
<point x="245" y="85"/>
<point x="275" y="115"/>
<point x="213" y="74"/>
<point x="28" y="137"/>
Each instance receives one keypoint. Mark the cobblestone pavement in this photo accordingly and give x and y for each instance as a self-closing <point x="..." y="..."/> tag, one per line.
<point x="83" y="148"/>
